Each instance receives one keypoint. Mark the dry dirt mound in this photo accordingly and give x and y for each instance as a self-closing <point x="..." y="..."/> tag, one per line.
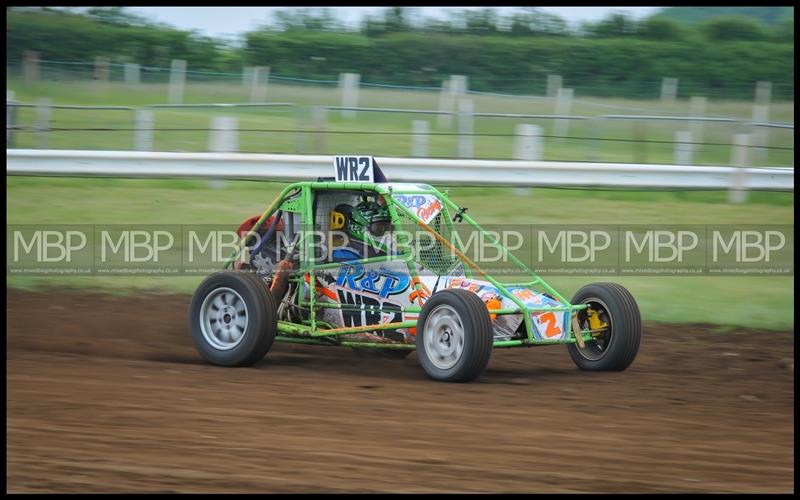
<point x="108" y="394"/>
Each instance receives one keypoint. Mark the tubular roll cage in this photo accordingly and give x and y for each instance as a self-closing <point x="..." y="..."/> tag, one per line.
<point x="297" y="198"/>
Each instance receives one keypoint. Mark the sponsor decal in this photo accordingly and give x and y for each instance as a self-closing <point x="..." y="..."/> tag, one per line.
<point x="364" y="310"/>
<point x="381" y="281"/>
<point x="471" y="286"/>
<point x="426" y="206"/>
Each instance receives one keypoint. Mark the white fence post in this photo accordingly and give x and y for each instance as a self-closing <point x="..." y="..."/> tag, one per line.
<point x="44" y="108"/>
<point x="466" y="109"/>
<point x="30" y="66"/>
<point x="224" y="136"/>
<point x="453" y="91"/>
<point x="177" y="81"/>
<point x="419" y="138"/>
<point x="683" y="147"/>
<point x="11" y="117"/>
<point x="348" y="83"/>
<point x="669" y="89"/>
<point x="763" y="92"/>
<point x="595" y="125"/>
<point x="563" y="107"/>
<point x="101" y="71"/>
<point x="459" y="85"/>
<point x="738" y="190"/>
<point x="258" y="84"/>
<point x="144" y="130"/>
<point x="528" y="143"/>
<point x="133" y="74"/>
<point x="247" y="76"/>
<point x="760" y="135"/>
<point x="553" y="85"/>
<point x="446" y="105"/>
<point x="528" y="146"/>
<point x="319" y="116"/>
<point x="697" y="109"/>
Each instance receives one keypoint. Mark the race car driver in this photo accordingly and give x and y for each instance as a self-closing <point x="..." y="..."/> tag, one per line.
<point x="366" y="227"/>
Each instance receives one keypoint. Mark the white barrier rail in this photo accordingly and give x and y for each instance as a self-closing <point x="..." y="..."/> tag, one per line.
<point x="277" y="167"/>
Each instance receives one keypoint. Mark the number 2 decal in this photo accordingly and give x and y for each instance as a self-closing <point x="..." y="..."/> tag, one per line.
<point x="365" y="163"/>
<point x="548" y="319"/>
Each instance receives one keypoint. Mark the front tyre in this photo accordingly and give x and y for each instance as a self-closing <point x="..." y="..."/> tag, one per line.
<point x="614" y="316"/>
<point x="454" y="336"/>
<point x="233" y="319"/>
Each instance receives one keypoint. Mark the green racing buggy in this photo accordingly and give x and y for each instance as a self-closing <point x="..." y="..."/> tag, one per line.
<point x="382" y="267"/>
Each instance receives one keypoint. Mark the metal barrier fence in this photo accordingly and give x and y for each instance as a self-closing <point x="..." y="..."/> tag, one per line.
<point x="435" y="171"/>
<point x="535" y="88"/>
<point x="311" y="126"/>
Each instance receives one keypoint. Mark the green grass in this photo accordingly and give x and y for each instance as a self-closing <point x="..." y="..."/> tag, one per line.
<point x="358" y="136"/>
<point x="762" y="302"/>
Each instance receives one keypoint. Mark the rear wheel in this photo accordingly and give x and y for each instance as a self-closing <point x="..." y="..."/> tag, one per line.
<point x="454" y="336"/>
<point x="615" y="317"/>
<point x="233" y="319"/>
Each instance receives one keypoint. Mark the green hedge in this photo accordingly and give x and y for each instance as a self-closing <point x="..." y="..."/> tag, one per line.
<point x="61" y="36"/>
<point x="615" y="67"/>
<point x="628" y="66"/>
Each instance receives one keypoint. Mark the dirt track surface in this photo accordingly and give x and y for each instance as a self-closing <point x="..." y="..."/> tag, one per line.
<point x="107" y="394"/>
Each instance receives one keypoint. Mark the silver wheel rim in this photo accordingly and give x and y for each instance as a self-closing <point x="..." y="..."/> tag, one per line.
<point x="223" y="318"/>
<point x="593" y="350"/>
<point x="444" y="337"/>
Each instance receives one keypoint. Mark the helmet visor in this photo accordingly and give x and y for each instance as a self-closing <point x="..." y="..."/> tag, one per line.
<point x="380" y="227"/>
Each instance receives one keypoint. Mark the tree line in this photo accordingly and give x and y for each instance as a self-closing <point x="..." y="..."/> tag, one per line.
<point x="618" y="56"/>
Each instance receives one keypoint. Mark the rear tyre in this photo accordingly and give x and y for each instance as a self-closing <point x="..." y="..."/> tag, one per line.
<point x="614" y="348"/>
<point x="233" y="319"/>
<point x="454" y="336"/>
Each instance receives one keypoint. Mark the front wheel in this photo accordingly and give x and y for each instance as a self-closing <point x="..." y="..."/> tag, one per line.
<point x="616" y="324"/>
<point x="233" y="319"/>
<point x="454" y="336"/>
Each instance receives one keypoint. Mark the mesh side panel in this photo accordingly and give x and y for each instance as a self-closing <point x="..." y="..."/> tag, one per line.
<point x="428" y="250"/>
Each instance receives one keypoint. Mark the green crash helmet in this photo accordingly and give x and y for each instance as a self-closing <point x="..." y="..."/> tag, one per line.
<point x="366" y="217"/>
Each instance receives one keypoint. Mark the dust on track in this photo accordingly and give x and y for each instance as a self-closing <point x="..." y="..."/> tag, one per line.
<point x="107" y="394"/>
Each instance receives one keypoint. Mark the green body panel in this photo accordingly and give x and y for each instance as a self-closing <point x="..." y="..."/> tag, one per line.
<point x="301" y="194"/>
